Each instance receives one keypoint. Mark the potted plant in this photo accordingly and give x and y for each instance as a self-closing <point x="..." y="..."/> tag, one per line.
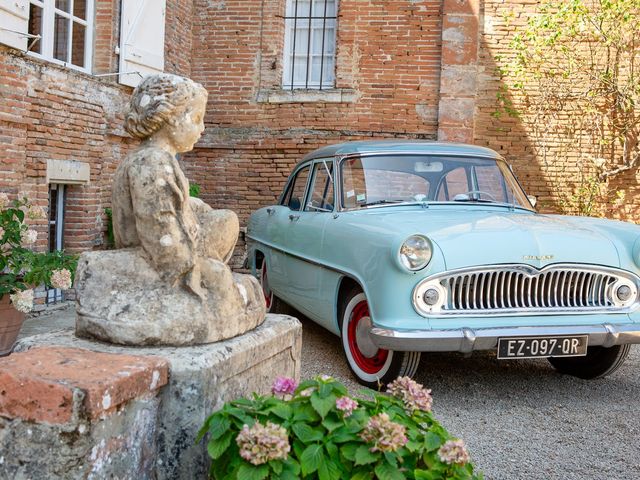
<point x="317" y="431"/>
<point x="22" y="269"/>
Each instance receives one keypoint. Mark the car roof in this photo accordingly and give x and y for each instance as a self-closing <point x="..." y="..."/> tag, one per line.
<point x="400" y="146"/>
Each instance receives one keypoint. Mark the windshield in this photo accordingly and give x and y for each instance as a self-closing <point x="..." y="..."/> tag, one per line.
<point x="389" y="179"/>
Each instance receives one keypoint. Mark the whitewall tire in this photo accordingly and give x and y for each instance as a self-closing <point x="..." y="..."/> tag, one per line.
<point x="373" y="367"/>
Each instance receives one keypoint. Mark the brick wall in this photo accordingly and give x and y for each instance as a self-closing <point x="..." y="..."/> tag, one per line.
<point x="546" y="169"/>
<point x="387" y="69"/>
<point x="52" y="112"/>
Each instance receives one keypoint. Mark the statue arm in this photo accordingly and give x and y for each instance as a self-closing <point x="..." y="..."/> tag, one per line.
<point x="161" y="221"/>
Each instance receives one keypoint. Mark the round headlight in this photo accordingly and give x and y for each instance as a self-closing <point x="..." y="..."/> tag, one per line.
<point x="415" y="253"/>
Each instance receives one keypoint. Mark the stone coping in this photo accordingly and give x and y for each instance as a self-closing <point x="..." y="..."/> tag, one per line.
<point x="45" y="384"/>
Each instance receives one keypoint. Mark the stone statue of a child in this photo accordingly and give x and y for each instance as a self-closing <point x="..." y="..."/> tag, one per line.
<point x="180" y="237"/>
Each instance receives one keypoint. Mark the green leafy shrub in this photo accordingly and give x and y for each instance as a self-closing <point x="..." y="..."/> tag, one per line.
<point x="194" y="190"/>
<point x="22" y="269"/>
<point x="316" y="431"/>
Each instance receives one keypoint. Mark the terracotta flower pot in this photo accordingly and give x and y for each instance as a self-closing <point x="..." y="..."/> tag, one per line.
<point x="10" y="324"/>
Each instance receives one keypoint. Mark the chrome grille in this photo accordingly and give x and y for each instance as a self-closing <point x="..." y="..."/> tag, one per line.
<point x="512" y="289"/>
<point x="497" y="290"/>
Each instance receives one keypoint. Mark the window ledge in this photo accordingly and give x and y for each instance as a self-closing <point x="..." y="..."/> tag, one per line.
<point x="334" y="95"/>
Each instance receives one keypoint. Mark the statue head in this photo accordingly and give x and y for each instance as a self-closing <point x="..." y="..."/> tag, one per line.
<point x="167" y="104"/>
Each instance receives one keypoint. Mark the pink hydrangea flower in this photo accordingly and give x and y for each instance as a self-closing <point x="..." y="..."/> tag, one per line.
<point x="4" y="200"/>
<point x="346" y="405"/>
<point x="386" y="436"/>
<point x="260" y="444"/>
<point x="284" y="386"/>
<point x="454" y="452"/>
<point x="61" y="279"/>
<point x="412" y="393"/>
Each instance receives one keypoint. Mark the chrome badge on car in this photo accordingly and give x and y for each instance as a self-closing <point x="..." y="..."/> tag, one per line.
<point x="538" y="257"/>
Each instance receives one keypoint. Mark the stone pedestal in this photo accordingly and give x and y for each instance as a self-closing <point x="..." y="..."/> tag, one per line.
<point x="201" y="379"/>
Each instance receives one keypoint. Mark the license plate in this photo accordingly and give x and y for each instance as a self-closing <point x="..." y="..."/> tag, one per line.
<point x="534" y="347"/>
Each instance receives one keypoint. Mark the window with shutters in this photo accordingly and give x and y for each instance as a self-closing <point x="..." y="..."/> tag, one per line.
<point x="141" y="39"/>
<point x="56" y="30"/>
<point x="309" y="44"/>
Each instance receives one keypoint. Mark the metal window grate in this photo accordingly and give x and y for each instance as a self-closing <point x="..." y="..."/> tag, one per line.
<point x="310" y="44"/>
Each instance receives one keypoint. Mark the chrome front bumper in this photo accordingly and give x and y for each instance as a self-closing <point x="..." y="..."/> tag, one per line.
<point x="467" y="340"/>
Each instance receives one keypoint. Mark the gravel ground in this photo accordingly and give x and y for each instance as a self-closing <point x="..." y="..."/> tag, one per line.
<point x="520" y="419"/>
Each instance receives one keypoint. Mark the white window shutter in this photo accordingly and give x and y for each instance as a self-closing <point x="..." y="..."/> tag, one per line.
<point x="141" y="39"/>
<point x="14" y="21"/>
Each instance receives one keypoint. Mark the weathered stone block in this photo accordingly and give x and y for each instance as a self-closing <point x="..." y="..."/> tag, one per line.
<point x="68" y="413"/>
<point x="201" y="379"/>
<point x="122" y="299"/>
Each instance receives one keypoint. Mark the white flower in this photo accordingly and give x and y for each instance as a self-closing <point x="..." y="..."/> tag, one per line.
<point x="4" y="200"/>
<point x="22" y="301"/>
<point x="30" y="237"/>
<point x="1" y="232"/>
<point x="61" y="279"/>
<point x="36" y="213"/>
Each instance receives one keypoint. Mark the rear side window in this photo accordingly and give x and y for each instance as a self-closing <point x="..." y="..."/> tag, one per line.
<point x="321" y="198"/>
<point x="295" y="193"/>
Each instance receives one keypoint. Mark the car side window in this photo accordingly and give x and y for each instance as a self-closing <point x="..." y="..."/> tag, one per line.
<point x="454" y="182"/>
<point x="295" y="194"/>
<point x="321" y="198"/>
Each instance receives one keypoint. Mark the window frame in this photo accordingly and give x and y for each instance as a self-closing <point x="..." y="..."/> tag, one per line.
<point x="329" y="164"/>
<point x="291" y="183"/>
<point x="287" y="81"/>
<point x="47" y="39"/>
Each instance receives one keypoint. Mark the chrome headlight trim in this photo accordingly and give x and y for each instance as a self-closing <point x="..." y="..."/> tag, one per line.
<point x="403" y="251"/>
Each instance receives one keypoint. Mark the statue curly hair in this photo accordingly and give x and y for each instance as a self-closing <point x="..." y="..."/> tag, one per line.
<point x="156" y="100"/>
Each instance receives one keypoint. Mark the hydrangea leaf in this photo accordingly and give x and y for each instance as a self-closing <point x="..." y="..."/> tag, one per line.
<point x="305" y="433"/>
<point x="349" y="451"/>
<point x="342" y="435"/>
<point x="217" y="447"/>
<point x="249" y="472"/>
<point x="323" y="405"/>
<point x="218" y="426"/>
<point x="432" y="441"/>
<point x="364" y="456"/>
<point x="311" y="459"/>
<point x="331" y="423"/>
<point x="384" y="471"/>
<point x="328" y="470"/>
<point x="282" y="410"/>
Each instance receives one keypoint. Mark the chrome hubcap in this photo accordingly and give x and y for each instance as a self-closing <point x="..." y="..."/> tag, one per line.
<point x="363" y="340"/>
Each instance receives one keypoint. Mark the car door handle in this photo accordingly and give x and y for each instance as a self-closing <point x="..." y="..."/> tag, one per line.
<point x="293" y="217"/>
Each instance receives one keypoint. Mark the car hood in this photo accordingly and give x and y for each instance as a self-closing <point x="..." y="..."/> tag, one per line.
<point x="482" y="236"/>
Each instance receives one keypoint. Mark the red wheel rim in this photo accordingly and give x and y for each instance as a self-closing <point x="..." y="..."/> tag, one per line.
<point x="268" y="295"/>
<point x="372" y="364"/>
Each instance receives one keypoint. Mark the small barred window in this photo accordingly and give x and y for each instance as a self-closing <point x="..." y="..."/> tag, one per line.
<point x="310" y="44"/>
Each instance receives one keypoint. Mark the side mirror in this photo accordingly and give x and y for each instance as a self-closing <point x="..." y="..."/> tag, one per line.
<point x="533" y="199"/>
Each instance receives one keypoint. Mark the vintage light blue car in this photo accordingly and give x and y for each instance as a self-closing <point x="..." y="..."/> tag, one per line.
<point x="408" y="247"/>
